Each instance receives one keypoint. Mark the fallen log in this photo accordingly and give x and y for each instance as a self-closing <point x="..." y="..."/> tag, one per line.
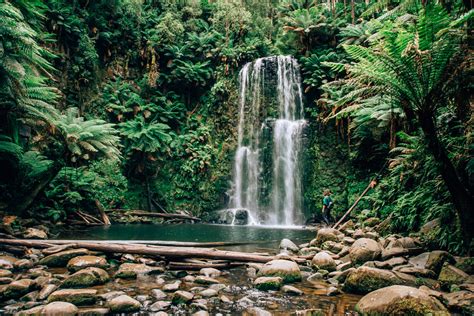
<point x="148" y="242"/>
<point x="151" y="214"/>
<point x="162" y="251"/>
<point x="199" y="266"/>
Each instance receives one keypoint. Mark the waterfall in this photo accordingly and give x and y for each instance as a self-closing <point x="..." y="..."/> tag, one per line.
<point x="266" y="175"/>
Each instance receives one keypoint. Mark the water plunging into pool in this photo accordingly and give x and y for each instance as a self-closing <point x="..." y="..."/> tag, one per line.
<point x="266" y="178"/>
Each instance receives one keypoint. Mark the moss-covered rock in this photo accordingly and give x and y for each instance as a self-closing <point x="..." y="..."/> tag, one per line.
<point x="366" y="279"/>
<point x="323" y="260"/>
<point x="400" y="300"/>
<point x="325" y="234"/>
<point x="18" y="288"/>
<point x="450" y="275"/>
<point x="436" y="260"/>
<point x="268" y="283"/>
<point x="60" y="259"/>
<point x="364" y="249"/>
<point x="86" y="277"/>
<point x="131" y="270"/>
<point x="75" y="296"/>
<point x="182" y="297"/>
<point x="287" y="270"/>
<point x="81" y="262"/>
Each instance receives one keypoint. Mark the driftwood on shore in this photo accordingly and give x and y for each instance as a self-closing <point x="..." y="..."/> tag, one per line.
<point x="160" y="251"/>
<point x="154" y="214"/>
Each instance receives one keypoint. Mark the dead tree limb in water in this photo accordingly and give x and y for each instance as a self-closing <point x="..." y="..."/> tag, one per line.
<point x="101" y="209"/>
<point x="162" y="251"/>
<point x="145" y="242"/>
<point x="152" y="214"/>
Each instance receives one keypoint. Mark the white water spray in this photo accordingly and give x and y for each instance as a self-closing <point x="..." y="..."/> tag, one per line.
<point x="281" y="204"/>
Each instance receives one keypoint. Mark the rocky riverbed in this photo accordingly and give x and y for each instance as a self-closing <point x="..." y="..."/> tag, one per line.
<point x="348" y="271"/>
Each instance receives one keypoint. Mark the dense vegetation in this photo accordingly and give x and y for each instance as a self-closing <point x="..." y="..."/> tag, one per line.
<point x="133" y="104"/>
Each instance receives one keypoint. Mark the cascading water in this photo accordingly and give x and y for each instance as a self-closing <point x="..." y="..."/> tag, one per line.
<point x="267" y="179"/>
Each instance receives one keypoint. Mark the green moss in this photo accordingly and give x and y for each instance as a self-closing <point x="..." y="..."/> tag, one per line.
<point x="411" y="307"/>
<point x="364" y="283"/>
<point x="287" y="277"/>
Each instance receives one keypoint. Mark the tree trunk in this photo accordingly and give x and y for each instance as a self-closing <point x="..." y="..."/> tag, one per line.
<point x="462" y="198"/>
<point x="161" y="251"/>
<point x="22" y="201"/>
<point x="353" y="11"/>
<point x="104" y="216"/>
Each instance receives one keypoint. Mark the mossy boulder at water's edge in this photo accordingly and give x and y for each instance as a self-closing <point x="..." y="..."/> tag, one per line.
<point x="287" y="270"/>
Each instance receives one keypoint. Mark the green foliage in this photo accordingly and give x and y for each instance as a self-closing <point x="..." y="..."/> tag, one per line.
<point x="152" y="84"/>
<point x="76" y="189"/>
<point x="145" y="137"/>
<point x="87" y="139"/>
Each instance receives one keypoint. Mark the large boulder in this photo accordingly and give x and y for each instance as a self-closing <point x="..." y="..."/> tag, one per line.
<point x="400" y="300"/>
<point x="59" y="309"/>
<point x="325" y="234"/>
<point x="86" y="277"/>
<point x="366" y="279"/>
<point x="60" y="259"/>
<point x="436" y="260"/>
<point x="241" y="217"/>
<point x="364" y="249"/>
<point x="18" y="288"/>
<point x="124" y="304"/>
<point x="323" y="260"/>
<point x="450" y="275"/>
<point x="461" y="301"/>
<point x="287" y="270"/>
<point x="81" y="262"/>
<point x="75" y="296"/>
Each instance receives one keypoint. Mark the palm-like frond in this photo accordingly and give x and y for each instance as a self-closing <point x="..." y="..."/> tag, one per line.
<point x="87" y="138"/>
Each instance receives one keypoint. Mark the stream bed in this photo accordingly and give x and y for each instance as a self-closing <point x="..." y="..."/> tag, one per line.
<point x="237" y="280"/>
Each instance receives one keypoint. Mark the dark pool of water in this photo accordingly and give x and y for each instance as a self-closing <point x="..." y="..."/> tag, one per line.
<point x="263" y="238"/>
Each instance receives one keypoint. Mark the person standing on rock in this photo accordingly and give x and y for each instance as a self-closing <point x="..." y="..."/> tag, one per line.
<point x="327" y="206"/>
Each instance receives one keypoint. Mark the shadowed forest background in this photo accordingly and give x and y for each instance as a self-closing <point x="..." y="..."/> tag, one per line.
<point x="132" y="104"/>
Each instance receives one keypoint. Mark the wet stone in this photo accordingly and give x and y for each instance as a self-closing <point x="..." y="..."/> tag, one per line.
<point x="268" y="283"/>
<point x="171" y="287"/>
<point x="205" y="280"/>
<point x="208" y="293"/>
<point x="291" y="290"/>
<point x="46" y="291"/>
<point x="124" y="304"/>
<point x="75" y="296"/>
<point x="81" y="262"/>
<point x="158" y="294"/>
<point x="60" y="259"/>
<point x="182" y="297"/>
<point x="59" y="308"/>
<point x="160" y="306"/>
<point x="210" y="272"/>
<point x="23" y="264"/>
<point x="16" y="289"/>
<point x="5" y="273"/>
<point x="93" y="311"/>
